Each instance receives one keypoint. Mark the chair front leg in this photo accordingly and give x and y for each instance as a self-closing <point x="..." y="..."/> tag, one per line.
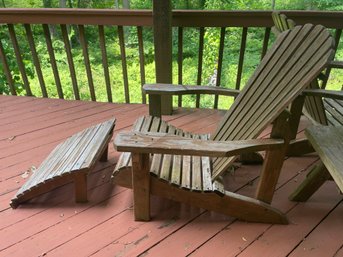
<point x="270" y="174"/>
<point x="274" y="159"/>
<point x="141" y="186"/>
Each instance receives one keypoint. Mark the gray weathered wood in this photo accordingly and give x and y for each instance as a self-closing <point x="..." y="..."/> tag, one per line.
<point x="167" y="144"/>
<point x="295" y="59"/>
<point x="328" y="143"/>
<point x="69" y="161"/>
<point x="313" y="181"/>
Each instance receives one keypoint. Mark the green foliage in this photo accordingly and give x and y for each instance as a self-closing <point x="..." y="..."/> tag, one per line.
<point x="12" y="61"/>
<point x="233" y="37"/>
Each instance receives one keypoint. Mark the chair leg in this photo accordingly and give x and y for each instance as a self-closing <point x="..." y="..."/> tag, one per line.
<point x="80" y="181"/>
<point x="299" y="147"/>
<point x="270" y="174"/>
<point x="141" y="186"/>
<point x="316" y="177"/>
<point x="274" y="159"/>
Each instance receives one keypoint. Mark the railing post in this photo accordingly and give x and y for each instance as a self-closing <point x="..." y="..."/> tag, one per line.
<point x="162" y="18"/>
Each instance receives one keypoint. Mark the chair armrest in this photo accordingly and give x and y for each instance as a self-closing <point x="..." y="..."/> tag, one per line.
<point x="169" y="89"/>
<point x="163" y="143"/>
<point x="334" y="94"/>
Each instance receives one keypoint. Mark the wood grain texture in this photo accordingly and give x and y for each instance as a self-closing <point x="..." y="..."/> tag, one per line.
<point x="70" y="160"/>
<point x="166" y="89"/>
<point x="278" y="80"/>
<point x="168" y="144"/>
<point x="56" y="225"/>
<point x="327" y="141"/>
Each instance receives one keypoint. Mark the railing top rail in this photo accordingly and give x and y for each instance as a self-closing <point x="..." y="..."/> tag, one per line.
<point x="189" y="18"/>
<point x="76" y="16"/>
<point x="183" y="18"/>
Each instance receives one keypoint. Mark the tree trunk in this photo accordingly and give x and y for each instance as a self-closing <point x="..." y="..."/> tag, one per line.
<point x="63" y="3"/>
<point x="52" y="28"/>
<point x="47" y="3"/>
<point x="126" y="4"/>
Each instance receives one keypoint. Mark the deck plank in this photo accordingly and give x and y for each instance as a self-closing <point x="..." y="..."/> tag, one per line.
<point x="315" y="243"/>
<point x="55" y="225"/>
<point x="207" y="226"/>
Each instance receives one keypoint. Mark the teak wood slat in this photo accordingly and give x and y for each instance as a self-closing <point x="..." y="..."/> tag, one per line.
<point x="327" y="141"/>
<point x="69" y="161"/>
<point x="259" y="104"/>
<point x="294" y="60"/>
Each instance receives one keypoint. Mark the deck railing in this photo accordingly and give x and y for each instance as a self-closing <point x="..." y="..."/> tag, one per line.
<point x="26" y="24"/>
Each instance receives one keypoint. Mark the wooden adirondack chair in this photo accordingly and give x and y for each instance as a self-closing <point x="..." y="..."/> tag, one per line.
<point x="187" y="167"/>
<point x="322" y="107"/>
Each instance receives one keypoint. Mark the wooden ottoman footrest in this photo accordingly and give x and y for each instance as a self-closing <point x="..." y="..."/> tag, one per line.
<point x="69" y="161"/>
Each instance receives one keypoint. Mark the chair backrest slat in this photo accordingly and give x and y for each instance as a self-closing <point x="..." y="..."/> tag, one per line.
<point x="294" y="60"/>
<point x="313" y="106"/>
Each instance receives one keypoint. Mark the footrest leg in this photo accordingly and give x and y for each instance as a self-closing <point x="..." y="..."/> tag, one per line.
<point x="81" y="187"/>
<point x="314" y="180"/>
<point x="104" y="155"/>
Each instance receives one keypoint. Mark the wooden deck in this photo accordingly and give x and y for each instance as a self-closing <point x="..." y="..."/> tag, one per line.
<point x="54" y="225"/>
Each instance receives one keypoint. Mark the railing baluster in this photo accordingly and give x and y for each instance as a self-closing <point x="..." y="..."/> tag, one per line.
<point x="53" y="60"/>
<point x="123" y="62"/>
<point x="200" y="60"/>
<point x="84" y="46"/>
<point x="104" y="62"/>
<point x="241" y="57"/>
<point x="7" y="70"/>
<point x="180" y="60"/>
<point x="35" y="59"/>
<point x="220" y="63"/>
<point x="19" y="59"/>
<point x="70" y="61"/>
<point x="338" y="33"/>
<point x="141" y="61"/>
<point x="265" y="42"/>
